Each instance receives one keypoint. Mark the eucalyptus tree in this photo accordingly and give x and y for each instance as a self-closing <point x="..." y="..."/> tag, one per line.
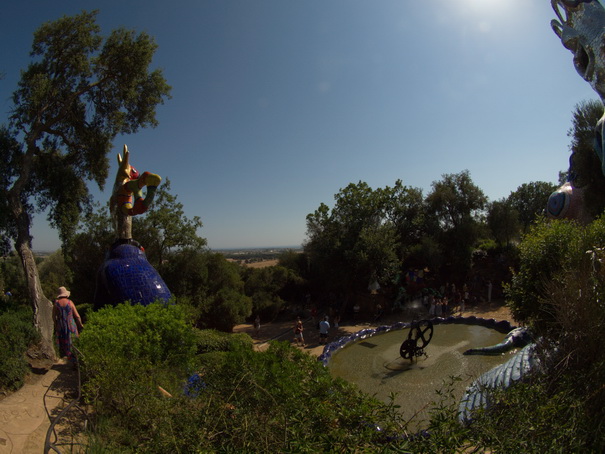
<point x="78" y="93"/>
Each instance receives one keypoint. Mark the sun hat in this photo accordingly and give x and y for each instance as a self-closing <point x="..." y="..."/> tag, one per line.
<point x="63" y="293"/>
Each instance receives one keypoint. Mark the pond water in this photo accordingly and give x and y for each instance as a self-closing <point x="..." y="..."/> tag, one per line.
<point x="375" y="365"/>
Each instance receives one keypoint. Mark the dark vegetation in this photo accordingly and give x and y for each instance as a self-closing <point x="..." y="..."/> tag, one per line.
<point x="226" y="397"/>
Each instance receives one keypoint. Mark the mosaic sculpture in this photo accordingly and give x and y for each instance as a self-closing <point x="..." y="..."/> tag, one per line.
<point x="518" y="337"/>
<point x="126" y="275"/>
<point x="580" y="25"/>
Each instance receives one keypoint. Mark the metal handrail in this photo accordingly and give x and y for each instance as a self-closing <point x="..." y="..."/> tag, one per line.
<point x="48" y="445"/>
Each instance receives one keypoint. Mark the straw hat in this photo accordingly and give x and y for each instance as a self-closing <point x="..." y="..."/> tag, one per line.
<point x="63" y="293"/>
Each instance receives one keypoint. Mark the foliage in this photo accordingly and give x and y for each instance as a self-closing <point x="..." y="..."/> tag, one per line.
<point x="12" y="278"/>
<point x="165" y="228"/>
<point x="266" y="286"/>
<point x="503" y="221"/>
<point x="585" y="167"/>
<point x="455" y="205"/>
<point x="54" y="273"/>
<point x="547" y="251"/>
<point x="86" y="252"/>
<point x="210" y="286"/>
<point x="16" y="335"/>
<point x="530" y="200"/>
<point x="209" y="340"/>
<point x="355" y="243"/>
<point x="281" y="400"/>
<point x="129" y="350"/>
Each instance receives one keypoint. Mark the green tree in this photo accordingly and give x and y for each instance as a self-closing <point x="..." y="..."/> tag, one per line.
<point x="355" y="243"/>
<point x="269" y="287"/>
<point x="503" y="221"/>
<point x="456" y="206"/>
<point x="54" y="273"/>
<point x="79" y="92"/>
<point x="586" y="170"/>
<point x="86" y="251"/>
<point x="407" y="211"/>
<point x="530" y="200"/>
<point x="165" y="228"/>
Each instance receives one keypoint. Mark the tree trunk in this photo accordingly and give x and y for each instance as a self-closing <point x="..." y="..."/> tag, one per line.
<point x="42" y="307"/>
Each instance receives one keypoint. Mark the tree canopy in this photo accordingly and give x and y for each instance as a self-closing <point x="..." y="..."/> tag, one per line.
<point x="79" y="92"/>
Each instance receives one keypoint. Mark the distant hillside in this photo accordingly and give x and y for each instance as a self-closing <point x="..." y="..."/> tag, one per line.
<point x="256" y="258"/>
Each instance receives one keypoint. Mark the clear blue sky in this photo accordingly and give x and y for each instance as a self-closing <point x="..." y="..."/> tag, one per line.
<point x="278" y="104"/>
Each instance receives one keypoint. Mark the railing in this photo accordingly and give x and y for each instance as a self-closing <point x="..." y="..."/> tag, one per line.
<point x="73" y="405"/>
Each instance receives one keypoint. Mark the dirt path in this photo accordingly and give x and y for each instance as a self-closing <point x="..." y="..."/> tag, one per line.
<point x="26" y="414"/>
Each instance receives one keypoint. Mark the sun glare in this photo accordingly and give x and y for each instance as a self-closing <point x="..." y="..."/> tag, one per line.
<point x="489" y="6"/>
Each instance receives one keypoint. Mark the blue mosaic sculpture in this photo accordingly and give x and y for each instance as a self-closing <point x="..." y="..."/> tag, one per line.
<point x="580" y="25"/>
<point x="126" y="275"/>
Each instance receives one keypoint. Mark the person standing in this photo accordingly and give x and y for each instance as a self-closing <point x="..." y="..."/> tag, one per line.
<point x="67" y="322"/>
<point x="298" y="332"/>
<point x="324" y="328"/>
<point x="257" y="325"/>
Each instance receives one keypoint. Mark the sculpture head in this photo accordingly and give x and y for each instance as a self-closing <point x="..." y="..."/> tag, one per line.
<point x="580" y="28"/>
<point x="127" y="197"/>
<point x="125" y="170"/>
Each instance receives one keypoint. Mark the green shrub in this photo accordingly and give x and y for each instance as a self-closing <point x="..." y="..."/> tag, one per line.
<point x="545" y="252"/>
<point x="130" y="350"/>
<point x="282" y="400"/>
<point x="16" y="335"/>
<point x="210" y="340"/>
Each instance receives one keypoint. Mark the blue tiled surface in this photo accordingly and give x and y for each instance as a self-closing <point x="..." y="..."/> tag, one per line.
<point x="128" y="276"/>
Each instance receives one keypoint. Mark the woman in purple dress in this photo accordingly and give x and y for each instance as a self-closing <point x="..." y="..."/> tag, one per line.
<point x="67" y="322"/>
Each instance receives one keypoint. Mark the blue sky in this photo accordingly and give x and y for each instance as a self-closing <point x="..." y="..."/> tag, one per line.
<point x="277" y="105"/>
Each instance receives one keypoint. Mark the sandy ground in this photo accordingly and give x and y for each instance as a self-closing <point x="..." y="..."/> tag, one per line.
<point x="283" y="330"/>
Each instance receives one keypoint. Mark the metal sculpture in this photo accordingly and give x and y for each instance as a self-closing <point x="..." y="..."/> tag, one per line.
<point x="580" y="25"/>
<point x="419" y="336"/>
<point x="126" y="275"/>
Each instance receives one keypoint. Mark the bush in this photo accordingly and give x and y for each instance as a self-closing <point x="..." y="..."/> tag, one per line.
<point x="130" y="350"/>
<point x="16" y="335"/>
<point x="282" y="400"/>
<point x="545" y="252"/>
<point x="210" y="340"/>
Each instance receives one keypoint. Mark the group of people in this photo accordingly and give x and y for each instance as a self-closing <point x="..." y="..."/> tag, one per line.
<point x="323" y="326"/>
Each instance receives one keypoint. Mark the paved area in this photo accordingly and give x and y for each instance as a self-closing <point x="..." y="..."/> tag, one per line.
<point x="25" y="415"/>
